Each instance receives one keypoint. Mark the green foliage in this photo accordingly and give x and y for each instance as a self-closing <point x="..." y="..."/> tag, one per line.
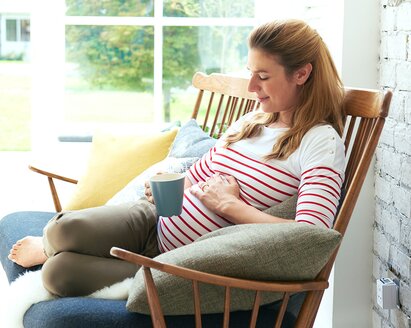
<point x="180" y="55"/>
<point x="209" y="8"/>
<point x="13" y="56"/>
<point x="112" y="56"/>
<point x="109" y="8"/>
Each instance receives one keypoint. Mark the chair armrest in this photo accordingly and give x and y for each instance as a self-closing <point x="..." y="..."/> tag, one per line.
<point x="287" y="287"/>
<point x="50" y="176"/>
<point x="276" y="286"/>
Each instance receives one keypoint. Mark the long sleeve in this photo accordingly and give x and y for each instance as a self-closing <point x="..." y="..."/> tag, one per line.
<point x="322" y="165"/>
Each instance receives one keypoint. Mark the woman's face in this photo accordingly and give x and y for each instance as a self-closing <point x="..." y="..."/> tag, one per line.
<point x="277" y="92"/>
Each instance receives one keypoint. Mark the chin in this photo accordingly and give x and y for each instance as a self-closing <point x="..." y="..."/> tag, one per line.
<point x="267" y="109"/>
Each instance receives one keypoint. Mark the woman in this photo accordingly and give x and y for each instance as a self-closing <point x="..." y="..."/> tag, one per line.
<point x="291" y="146"/>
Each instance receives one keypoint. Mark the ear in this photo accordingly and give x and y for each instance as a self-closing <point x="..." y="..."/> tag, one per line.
<point x="302" y="74"/>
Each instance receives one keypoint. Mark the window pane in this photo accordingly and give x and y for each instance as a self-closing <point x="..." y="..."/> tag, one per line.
<point x="109" y="8"/>
<point x="190" y="49"/>
<point x="11" y="30"/>
<point x="25" y="30"/>
<point x="209" y="8"/>
<point x="109" y="74"/>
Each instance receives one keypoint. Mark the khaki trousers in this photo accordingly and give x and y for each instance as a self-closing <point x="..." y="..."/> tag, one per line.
<point x="78" y="246"/>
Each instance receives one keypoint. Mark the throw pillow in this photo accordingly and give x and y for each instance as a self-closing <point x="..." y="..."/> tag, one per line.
<point x="270" y="252"/>
<point x="114" y="160"/>
<point x="135" y="188"/>
<point x="191" y="141"/>
<point x="285" y="210"/>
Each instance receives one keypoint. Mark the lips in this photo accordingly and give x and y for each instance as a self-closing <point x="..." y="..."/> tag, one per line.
<point x="262" y="99"/>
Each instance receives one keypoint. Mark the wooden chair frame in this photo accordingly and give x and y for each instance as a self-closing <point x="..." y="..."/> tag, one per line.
<point x="223" y="99"/>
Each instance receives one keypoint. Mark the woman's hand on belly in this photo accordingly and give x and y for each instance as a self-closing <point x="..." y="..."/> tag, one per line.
<point x="217" y="192"/>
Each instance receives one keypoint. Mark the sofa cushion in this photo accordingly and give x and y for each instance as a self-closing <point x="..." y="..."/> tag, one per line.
<point x="285" y="210"/>
<point x="288" y="251"/>
<point x="191" y="141"/>
<point x="16" y="226"/>
<point x="83" y="312"/>
<point x="115" y="159"/>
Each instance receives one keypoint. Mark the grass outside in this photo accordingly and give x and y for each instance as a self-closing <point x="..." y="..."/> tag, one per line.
<point x="81" y="106"/>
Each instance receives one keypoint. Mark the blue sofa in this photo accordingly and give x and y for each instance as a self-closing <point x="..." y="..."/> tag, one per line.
<point x="90" y="312"/>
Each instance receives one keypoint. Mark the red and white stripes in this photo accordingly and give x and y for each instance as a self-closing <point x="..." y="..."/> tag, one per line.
<point x="318" y="196"/>
<point x="261" y="185"/>
<point x="313" y="172"/>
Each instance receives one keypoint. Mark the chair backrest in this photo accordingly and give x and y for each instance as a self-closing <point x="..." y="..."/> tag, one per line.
<point x="221" y="100"/>
<point x="366" y="111"/>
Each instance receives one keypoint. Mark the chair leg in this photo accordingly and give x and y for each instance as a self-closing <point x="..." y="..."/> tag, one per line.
<point x="256" y="307"/>
<point x="153" y="300"/>
<point x="309" y="309"/>
<point x="227" y="308"/>
<point x="197" y="306"/>
<point x="281" y="313"/>
<point x="56" y="200"/>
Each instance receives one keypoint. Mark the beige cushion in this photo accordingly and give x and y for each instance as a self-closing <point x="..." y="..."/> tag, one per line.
<point x="288" y="251"/>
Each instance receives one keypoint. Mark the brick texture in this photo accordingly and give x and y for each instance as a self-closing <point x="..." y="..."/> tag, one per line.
<point x="392" y="226"/>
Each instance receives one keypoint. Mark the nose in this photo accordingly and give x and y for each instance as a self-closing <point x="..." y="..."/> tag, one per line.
<point x="253" y="84"/>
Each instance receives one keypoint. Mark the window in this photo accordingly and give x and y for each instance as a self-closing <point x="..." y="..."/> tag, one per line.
<point x="11" y="30"/>
<point x="25" y="30"/>
<point x="132" y="62"/>
<point x="17" y="30"/>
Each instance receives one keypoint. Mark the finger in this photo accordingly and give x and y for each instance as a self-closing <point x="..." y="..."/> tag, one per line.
<point x="230" y="179"/>
<point x="203" y="186"/>
<point x="196" y="191"/>
<point x="223" y="178"/>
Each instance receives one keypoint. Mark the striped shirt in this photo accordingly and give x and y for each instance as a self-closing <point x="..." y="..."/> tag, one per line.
<point x="315" y="171"/>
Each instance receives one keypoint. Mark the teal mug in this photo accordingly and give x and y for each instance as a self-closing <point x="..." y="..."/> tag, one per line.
<point x="168" y="192"/>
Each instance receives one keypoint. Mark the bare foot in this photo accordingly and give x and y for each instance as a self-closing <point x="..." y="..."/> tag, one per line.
<point x="28" y="252"/>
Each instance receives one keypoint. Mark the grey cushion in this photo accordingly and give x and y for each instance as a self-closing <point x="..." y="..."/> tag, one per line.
<point x="285" y="210"/>
<point x="288" y="251"/>
<point x="191" y="141"/>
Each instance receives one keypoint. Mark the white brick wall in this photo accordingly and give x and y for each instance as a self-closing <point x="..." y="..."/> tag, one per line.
<point x="392" y="228"/>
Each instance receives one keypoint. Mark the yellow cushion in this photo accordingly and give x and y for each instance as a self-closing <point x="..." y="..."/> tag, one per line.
<point x="114" y="161"/>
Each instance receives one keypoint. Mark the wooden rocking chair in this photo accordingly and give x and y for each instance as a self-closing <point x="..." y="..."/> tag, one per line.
<point x="224" y="99"/>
